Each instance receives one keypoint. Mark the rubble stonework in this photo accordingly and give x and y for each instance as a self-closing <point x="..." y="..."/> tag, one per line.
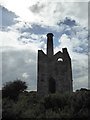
<point x="54" y="71"/>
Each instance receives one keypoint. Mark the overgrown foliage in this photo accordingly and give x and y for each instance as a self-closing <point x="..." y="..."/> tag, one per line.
<point x="61" y="106"/>
<point x="13" y="89"/>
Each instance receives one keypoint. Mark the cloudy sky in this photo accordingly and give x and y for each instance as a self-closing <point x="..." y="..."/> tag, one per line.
<point x="23" y="30"/>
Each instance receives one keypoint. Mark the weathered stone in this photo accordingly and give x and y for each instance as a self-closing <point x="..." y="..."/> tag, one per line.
<point x="54" y="71"/>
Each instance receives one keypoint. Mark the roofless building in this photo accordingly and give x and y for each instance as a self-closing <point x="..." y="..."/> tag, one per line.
<point x="54" y="70"/>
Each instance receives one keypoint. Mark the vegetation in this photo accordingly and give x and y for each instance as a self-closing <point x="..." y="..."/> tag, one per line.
<point x="61" y="106"/>
<point x="13" y="89"/>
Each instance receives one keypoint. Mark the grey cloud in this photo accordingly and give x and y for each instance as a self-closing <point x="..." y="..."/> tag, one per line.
<point x="39" y="30"/>
<point x="36" y="29"/>
<point x="89" y="70"/>
<point x="14" y="65"/>
<point x="80" y="84"/>
<point x="0" y="70"/>
<point x="68" y="21"/>
<point x="80" y="74"/>
<point x="36" y="8"/>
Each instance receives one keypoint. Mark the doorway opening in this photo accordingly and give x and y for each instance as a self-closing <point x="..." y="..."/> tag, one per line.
<point x="52" y="85"/>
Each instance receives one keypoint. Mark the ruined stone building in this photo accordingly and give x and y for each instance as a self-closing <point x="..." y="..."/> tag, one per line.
<point x="54" y="71"/>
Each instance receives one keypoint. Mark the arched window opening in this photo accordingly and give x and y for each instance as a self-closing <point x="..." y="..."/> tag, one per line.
<point x="60" y="59"/>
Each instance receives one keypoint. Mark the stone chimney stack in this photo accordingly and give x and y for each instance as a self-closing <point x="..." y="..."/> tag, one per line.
<point x="49" y="44"/>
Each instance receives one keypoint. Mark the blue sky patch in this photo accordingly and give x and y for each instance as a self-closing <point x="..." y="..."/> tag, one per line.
<point x="68" y="22"/>
<point x="8" y="17"/>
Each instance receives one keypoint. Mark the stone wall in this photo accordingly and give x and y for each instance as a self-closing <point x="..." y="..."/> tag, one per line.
<point x="54" y="72"/>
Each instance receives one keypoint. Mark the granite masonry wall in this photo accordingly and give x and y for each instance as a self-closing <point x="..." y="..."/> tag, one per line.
<point x="54" y="71"/>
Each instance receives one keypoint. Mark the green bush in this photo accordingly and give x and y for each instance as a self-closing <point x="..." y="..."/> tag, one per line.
<point x="56" y="105"/>
<point x="13" y="89"/>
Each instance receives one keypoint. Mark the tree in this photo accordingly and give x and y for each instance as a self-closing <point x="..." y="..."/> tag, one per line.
<point x="13" y="89"/>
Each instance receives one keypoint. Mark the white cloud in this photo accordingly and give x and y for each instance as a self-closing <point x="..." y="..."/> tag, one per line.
<point x="79" y="60"/>
<point x="29" y="61"/>
<point x="70" y="0"/>
<point x="49" y="13"/>
<point x="20" y="25"/>
<point x="65" y="42"/>
<point x="25" y="75"/>
<point x="10" y="40"/>
<point x="76" y="45"/>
